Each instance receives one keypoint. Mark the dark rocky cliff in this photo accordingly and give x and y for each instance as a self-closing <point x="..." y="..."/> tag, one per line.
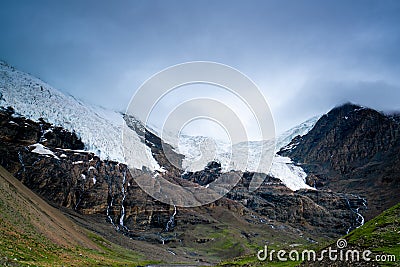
<point x="82" y="182"/>
<point x="355" y="150"/>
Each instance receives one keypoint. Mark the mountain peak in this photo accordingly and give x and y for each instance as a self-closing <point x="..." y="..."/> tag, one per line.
<point x="348" y="106"/>
<point x="352" y="143"/>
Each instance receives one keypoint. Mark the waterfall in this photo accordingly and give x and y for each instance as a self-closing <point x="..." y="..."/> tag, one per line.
<point x="21" y="160"/>
<point x="168" y="227"/>
<point x="108" y="212"/>
<point x="348" y="204"/>
<point x="121" y="219"/>
<point x="170" y="251"/>
<point x="171" y="223"/>
<point x="78" y="202"/>
<point x="82" y="191"/>
<point x="359" y="219"/>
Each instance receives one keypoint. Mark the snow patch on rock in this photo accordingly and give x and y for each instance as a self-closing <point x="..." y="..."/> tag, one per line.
<point x="42" y="150"/>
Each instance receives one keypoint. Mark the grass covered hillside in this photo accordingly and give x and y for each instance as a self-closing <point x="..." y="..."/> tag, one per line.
<point x="381" y="235"/>
<point x="32" y="233"/>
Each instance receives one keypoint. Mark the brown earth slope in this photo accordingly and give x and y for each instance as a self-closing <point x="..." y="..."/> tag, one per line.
<point x="33" y="233"/>
<point x="47" y="220"/>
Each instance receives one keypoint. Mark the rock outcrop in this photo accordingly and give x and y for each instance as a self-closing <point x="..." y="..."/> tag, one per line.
<point x="66" y="176"/>
<point x="353" y="150"/>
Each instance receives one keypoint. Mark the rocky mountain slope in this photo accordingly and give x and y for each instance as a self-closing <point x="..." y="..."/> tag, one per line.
<point x="101" y="129"/>
<point x="339" y="154"/>
<point x="103" y="196"/>
<point x="353" y="150"/>
<point x="33" y="233"/>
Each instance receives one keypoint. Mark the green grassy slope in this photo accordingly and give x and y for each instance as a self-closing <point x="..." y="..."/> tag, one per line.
<point x="32" y="233"/>
<point x="381" y="235"/>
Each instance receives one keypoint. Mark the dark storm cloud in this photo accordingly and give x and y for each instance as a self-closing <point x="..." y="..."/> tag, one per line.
<point x="306" y="56"/>
<point x="320" y="96"/>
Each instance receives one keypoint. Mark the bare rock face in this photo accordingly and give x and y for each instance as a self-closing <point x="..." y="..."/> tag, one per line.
<point x="324" y="213"/>
<point x="353" y="150"/>
<point x="210" y="173"/>
<point x="68" y="177"/>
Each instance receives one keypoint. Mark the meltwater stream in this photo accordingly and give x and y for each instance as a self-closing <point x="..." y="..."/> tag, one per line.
<point x="171" y="223"/>
<point x="355" y="206"/>
<point x="121" y="219"/>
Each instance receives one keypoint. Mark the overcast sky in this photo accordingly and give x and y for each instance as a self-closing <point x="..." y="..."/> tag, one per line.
<point x="306" y="56"/>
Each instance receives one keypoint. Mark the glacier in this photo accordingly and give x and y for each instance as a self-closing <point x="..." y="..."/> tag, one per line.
<point x="249" y="154"/>
<point x="99" y="129"/>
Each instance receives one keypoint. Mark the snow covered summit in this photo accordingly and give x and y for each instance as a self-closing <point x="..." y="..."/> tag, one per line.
<point x="99" y="129"/>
